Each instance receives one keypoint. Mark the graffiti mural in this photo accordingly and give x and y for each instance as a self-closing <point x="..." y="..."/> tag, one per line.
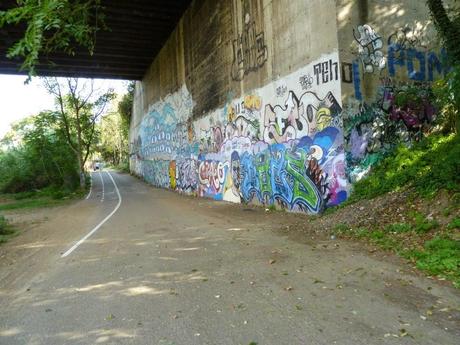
<point x="402" y="110"/>
<point x="299" y="116"/>
<point x="370" y="48"/>
<point x="280" y="145"/>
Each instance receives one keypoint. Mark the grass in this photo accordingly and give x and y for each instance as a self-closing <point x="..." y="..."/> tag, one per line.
<point x="439" y="256"/>
<point x="6" y="231"/>
<point x="454" y="224"/>
<point x="432" y="251"/>
<point x="40" y="198"/>
<point x="428" y="166"/>
<point x="30" y="203"/>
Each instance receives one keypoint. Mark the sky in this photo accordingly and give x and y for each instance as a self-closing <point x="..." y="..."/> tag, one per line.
<point x="18" y="100"/>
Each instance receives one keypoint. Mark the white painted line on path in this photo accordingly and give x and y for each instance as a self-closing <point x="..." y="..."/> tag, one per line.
<point x="90" y="186"/>
<point x="75" y="246"/>
<point x="102" y="182"/>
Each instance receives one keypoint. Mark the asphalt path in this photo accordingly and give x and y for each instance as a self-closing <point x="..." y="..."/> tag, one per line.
<point x="132" y="264"/>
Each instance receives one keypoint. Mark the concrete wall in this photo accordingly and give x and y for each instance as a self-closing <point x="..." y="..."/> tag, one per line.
<point x="244" y="102"/>
<point x="389" y="56"/>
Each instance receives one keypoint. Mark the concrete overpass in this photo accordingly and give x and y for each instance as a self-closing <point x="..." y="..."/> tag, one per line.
<point x="137" y="31"/>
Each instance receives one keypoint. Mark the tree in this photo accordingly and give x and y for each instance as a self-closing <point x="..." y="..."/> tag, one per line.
<point x="35" y="156"/>
<point x="125" y="106"/>
<point x="79" y="106"/>
<point x="447" y="91"/>
<point x="448" y="26"/>
<point x="53" y="25"/>
<point x="113" y="139"/>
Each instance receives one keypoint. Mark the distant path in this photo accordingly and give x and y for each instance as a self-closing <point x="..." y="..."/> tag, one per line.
<point x="168" y="269"/>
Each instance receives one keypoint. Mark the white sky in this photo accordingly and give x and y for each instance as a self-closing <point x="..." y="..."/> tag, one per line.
<point x="18" y="100"/>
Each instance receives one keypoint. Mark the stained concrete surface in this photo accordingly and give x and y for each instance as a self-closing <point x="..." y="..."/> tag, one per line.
<point x="168" y="269"/>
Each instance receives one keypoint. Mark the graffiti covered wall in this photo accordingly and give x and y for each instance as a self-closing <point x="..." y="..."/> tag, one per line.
<point x="389" y="59"/>
<point x="281" y="145"/>
<point x="284" y="102"/>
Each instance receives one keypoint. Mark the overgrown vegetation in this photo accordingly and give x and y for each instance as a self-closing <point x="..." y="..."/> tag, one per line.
<point x="52" y="26"/>
<point x="35" y="155"/>
<point x="42" y="158"/>
<point x="113" y="140"/>
<point x="428" y="166"/>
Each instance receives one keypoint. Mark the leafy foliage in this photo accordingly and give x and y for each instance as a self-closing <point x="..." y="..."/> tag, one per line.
<point x="37" y="156"/>
<point x="113" y="145"/>
<point x="53" y="25"/>
<point x="80" y="106"/>
<point x="428" y="166"/>
<point x="447" y="96"/>
<point x="125" y="106"/>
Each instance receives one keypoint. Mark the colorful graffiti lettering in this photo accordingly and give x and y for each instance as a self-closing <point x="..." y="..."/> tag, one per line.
<point x="288" y="153"/>
<point x="299" y="116"/>
<point x="212" y="176"/>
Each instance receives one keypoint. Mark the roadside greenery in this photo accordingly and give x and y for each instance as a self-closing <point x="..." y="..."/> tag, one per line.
<point x="43" y="157"/>
<point x="52" y="26"/>
<point x="428" y="166"/>
<point x="430" y="247"/>
<point x="35" y="155"/>
<point x="80" y="106"/>
<point x="113" y="140"/>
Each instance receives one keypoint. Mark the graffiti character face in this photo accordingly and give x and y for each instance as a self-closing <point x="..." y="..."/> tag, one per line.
<point x="235" y="167"/>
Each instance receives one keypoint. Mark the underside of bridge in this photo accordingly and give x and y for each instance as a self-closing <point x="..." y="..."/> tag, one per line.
<point x="137" y="31"/>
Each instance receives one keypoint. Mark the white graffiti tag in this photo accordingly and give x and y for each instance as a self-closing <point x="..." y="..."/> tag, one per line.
<point x="370" y="48"/>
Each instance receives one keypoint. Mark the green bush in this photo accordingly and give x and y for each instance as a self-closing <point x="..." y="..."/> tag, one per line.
<point x="447" y="95"/>
<point x="430" y="165"/>
<point x="40" y="160"/>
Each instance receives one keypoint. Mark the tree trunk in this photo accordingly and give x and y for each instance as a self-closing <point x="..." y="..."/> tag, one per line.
<point x="449" y="32"/>
<point x="81" y="171"/>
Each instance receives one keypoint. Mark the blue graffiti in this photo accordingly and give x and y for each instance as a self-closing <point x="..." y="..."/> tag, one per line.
<point x="280" y="174"/>
<point x="400" y="57"/>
